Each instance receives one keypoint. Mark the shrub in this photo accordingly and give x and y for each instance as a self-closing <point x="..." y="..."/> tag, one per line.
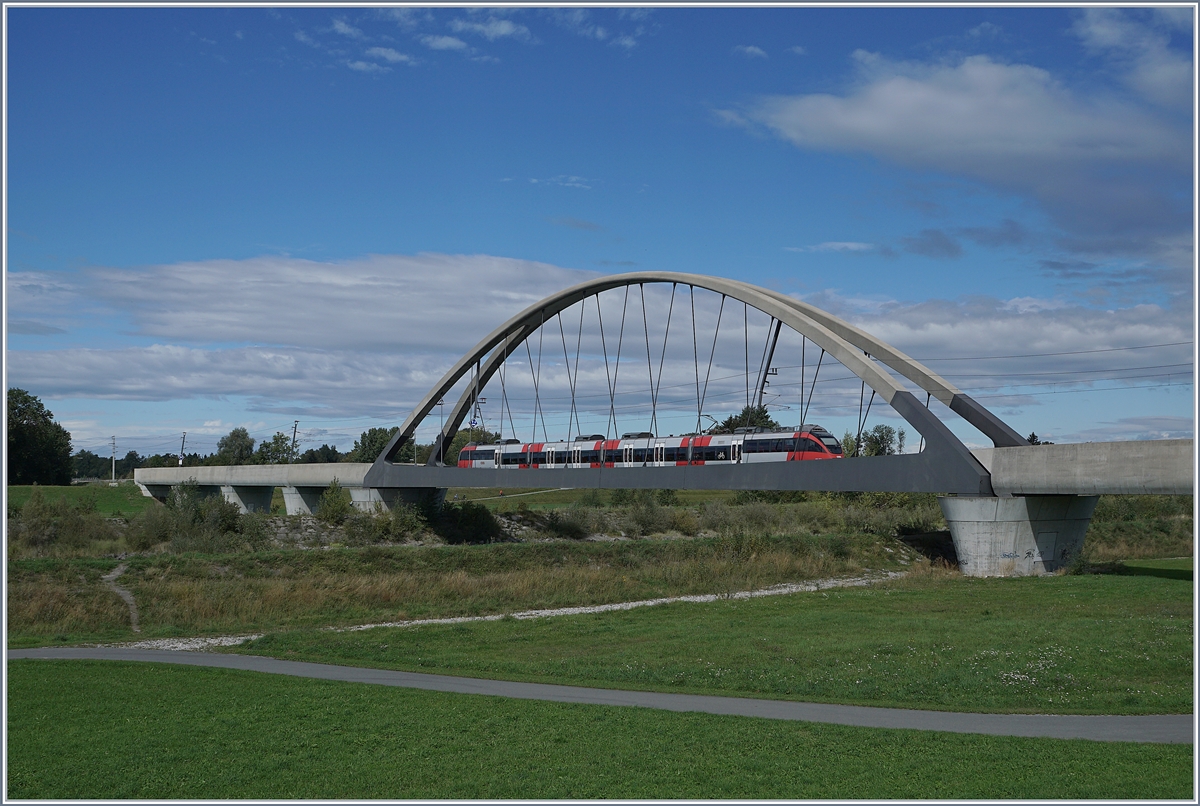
<point x="571" y="523"/>
<point x="467" y="522"/>
<point x="685" y="522"/>
<point x="666" y="498"/>
<point x="718" y="516"/>
<point x="335" y="505"/>
<point x="648" y="518"/>
<point x="42" y="524"/>
<point x="406" y="521"/>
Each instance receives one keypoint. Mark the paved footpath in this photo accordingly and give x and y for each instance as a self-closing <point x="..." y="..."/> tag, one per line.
<point x="1168" y="729"/>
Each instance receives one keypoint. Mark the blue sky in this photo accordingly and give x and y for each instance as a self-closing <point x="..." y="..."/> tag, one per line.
<point x="225" y="217"/>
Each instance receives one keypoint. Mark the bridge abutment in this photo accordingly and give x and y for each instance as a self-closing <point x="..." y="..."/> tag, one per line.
<point x="1019" y="536"/>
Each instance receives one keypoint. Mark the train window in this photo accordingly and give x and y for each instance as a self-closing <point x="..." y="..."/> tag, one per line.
<point x="483" y="456"/>
<point x="538" y="457"/>
<point x="512" y="458"/>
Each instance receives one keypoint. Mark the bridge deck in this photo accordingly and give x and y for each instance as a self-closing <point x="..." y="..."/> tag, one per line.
<point x="1156" y="467"/>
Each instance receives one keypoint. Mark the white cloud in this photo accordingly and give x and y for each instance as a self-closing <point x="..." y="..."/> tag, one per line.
<point x="492" y="29"/>
<point x="750" y="51"/>
<point x="305" y="38"/>
<point x="443" y="43"/>
<point x="367" y="67"/>
<point x="346" y="29"/>
<point x="1141" y="52"/>
<point x="377" y="303"/>
<point x="1103" y="167"/>
<point x="799" y="50"/>
<point x="833" y="246"/>
<point x="389" y="54"/>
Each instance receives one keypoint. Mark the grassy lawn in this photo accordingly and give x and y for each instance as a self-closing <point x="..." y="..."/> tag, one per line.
<point x="111" y="502"/>
<point x="1117" y="644"/>
<point x="90" y="729"/>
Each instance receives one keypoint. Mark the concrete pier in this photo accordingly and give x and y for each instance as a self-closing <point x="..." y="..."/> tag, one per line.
<point x="1019" y="536"/>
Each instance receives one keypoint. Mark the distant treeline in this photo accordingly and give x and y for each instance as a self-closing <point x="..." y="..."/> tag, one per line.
<point x="239" y="448"/>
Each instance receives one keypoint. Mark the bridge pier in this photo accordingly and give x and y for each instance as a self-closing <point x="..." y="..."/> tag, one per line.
<point x="1019" y="536"/>
<point x="248" y="499"/>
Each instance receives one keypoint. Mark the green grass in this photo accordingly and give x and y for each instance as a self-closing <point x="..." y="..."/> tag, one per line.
<point x="111" y="502"/>
<point x="90" y="729"/>
<point x="1104" y="644"/>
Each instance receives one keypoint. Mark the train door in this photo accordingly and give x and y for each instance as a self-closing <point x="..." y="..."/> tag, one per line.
<point x="550" y="456"/>
<point x="660" y="452"/>
<point x="576" y="456"/>
<point x="735" y="452"/>
<point x="499" y="456"/>
<point x="627" y="454"/>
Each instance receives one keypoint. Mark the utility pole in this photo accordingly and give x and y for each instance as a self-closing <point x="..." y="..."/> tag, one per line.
<point x="114" y="458"/>
<point x="181" y="444"/>
<point x="292" y="455"/>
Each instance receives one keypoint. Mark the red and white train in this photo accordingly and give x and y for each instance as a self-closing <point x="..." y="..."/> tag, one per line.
<point x="747" y="445"/>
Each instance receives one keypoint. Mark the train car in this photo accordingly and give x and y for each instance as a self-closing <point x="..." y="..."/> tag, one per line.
<point x="644" y="449"/>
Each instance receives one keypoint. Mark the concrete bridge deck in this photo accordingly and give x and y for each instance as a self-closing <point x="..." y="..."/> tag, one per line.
<point x="1090" y="468"/>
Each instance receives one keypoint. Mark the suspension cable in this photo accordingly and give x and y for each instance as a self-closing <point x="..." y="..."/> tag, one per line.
<point x="861" y="393"/>
<point x="570" y="380"/>
<point x="612" y="397"/>
<point x="695" y="353"/>
<point x="803" y="347"/>
<point x="812" y="388"/>
<point x="761" y="377"/>
<point x="746" y="332"/>
<point x="712" y="353"/>
<point x="649" y="367"/>
<point x="604" y="349"/>
<point x="661" y="358"/>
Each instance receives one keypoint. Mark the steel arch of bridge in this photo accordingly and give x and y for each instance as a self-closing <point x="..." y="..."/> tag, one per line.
<point x="946" y="465"/>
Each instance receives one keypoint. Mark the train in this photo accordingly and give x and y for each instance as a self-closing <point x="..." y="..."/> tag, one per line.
<point x="644" y="449"/>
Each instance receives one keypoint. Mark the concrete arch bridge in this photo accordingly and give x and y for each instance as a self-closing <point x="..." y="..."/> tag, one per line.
<point x="1012" y="508"/>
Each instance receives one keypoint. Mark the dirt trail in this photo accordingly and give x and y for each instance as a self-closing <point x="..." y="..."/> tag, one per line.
<point x="199" y="644"/>
<point x="110" y="579"/>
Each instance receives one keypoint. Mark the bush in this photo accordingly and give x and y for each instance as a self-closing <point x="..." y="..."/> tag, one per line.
<point x="666" y="498"/>
<point x="43" y="524"/>
<point x="467" y="522"/>
<point x="648" y="518"/>
<point x="335" y="505"/>
<point x="685" y="522"/>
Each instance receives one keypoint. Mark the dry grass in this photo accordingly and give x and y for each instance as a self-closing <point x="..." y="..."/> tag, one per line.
<point x="51" y="606"/>
<point x="346" y="586"/>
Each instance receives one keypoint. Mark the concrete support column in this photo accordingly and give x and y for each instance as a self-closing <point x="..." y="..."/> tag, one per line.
<point x="1018" y="536"/>
<point x="301" y="500"/>
<point x="249" y="499"/>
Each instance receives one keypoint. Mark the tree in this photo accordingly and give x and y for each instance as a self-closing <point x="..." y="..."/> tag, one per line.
<point x="39" y="449"/>
<point x="275" y="451"/>
<point x="322" y="455"/>
<point x="882" y="440"/>
<point x="235" y="448"/>
<point x="749" y="417"/>
<point x="478" y="436"/>
<point x="372" y="442"/>
<point x="87" y="465"/>
<point x="1033" y="439"/>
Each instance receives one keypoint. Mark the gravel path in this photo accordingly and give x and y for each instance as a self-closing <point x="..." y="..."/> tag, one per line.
<point x="110" y="579"/>
<point x="199" y="644"/>
<point x="1170" y="729"/>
